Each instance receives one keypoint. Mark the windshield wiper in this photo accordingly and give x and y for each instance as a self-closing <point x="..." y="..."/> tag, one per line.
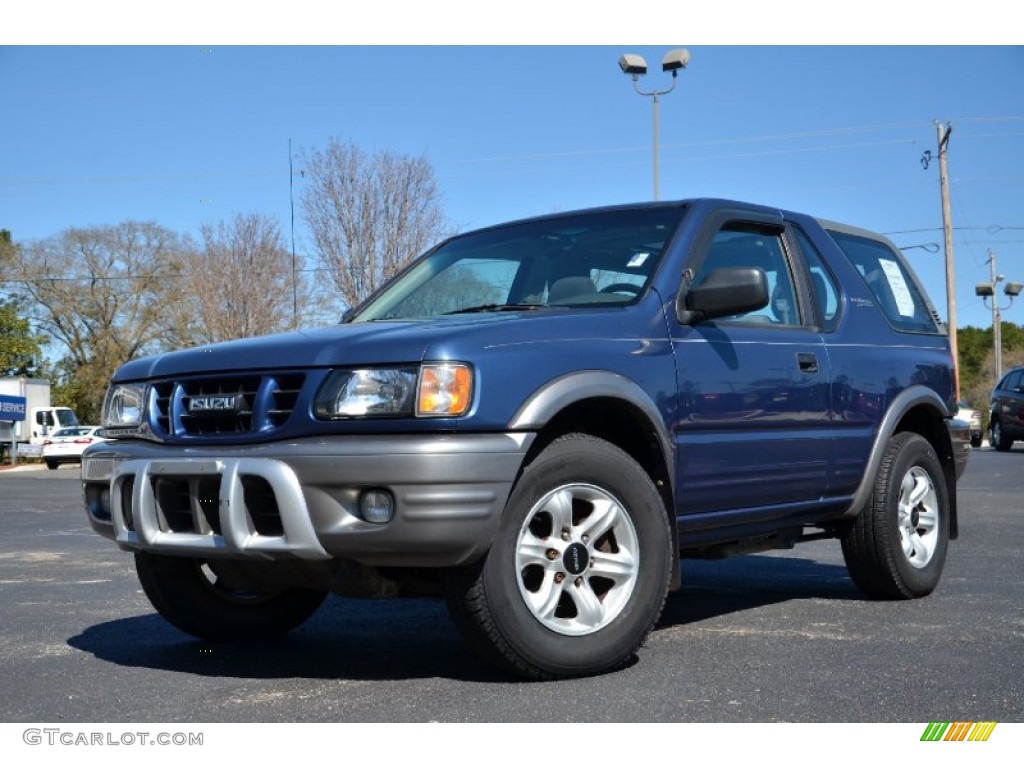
<point x="497" y="308"/>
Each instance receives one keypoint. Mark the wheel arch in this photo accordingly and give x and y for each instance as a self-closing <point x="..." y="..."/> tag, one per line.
<point x="920" y="410"/>
<point x="612" y="407"/>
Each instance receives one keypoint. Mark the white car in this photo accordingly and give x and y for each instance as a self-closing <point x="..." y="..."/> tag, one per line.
<point x="972" y="416"/>
<point x="66" y="444"/>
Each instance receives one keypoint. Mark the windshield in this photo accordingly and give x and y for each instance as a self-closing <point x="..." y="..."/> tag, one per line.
<point x="66" y="418"/>
<point x="590" y="259"/>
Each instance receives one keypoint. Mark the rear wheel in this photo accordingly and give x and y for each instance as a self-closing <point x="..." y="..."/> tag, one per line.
<point x="191" y="595"/>
<point x="52" y="464"/>
<point x="896" y="548"/>
<point x="578" y="572"/>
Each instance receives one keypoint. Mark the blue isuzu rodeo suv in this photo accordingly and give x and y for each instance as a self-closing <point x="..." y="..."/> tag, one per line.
<point x="536" y="421"/>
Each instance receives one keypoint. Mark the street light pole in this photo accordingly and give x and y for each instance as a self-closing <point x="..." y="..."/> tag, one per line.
<point x="987" y="290"/>
<point x="657" y="181"/>
<point x="634" y="65"/>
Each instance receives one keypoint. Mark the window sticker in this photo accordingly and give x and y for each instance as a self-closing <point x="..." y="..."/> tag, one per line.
<point x="637" y="260"/>
<point x="900" y="291"/>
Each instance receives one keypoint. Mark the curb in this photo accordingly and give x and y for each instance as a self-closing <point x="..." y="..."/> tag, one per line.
<point x="21" y="468"/>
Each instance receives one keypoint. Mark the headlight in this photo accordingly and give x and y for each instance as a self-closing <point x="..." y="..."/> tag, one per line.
<point x="367" y="392"/>
<point x="123" y="405"/>
<point x="433" y="389"/>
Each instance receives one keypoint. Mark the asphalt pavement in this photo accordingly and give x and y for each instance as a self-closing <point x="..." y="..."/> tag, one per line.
<point x="782" y="636"/>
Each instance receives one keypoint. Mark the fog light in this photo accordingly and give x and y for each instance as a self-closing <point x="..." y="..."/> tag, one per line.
<point x="97" y="500"/>
<point x="377" y="506"/>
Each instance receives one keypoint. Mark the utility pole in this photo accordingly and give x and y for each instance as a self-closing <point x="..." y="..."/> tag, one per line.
<point x="943" y="132"/>
<point x="997" y="320"/>
<point x="291" y="198"/>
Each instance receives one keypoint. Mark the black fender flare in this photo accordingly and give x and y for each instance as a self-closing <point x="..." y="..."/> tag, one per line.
<point x="909" y="398"/>
<point x="560" y="393"/>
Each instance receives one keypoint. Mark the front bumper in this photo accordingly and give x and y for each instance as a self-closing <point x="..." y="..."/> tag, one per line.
<point x="300" y="499"/>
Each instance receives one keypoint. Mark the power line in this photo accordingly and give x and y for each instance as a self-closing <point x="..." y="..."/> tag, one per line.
<point x="154" y="276"/>
<point x="991" y="228"/>
<point x="139" y="179"/>
<point x="787" y="136"/>
<point x="820" y="133"/>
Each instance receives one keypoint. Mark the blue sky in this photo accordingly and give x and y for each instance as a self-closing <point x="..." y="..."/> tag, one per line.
<point x="192" y="133"/>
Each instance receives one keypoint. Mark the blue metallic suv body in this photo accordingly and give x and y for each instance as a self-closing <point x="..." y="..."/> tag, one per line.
<point x="756" y="425"/>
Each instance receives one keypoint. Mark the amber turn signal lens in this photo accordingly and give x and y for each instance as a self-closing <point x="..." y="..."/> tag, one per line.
<point x="445" y="389"/>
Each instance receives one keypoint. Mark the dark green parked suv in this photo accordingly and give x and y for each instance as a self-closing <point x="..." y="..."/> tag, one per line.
<point x="1006" y="421"/>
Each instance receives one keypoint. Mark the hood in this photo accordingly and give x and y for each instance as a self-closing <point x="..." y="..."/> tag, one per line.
<point x="373" y="343"/>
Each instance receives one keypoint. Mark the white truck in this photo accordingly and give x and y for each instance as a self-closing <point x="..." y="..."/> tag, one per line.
<point x="26" y="416"/>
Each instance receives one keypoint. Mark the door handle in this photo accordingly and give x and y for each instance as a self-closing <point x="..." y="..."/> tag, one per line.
<point x="807" y="361"/>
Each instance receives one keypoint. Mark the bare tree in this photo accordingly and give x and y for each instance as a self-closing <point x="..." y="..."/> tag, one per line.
<point x="102" y="293"/>
<point x="369" y="214"/>
<point x="238" y="282"/>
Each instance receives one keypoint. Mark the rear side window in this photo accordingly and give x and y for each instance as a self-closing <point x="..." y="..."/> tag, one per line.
<point x="890" y="282"/>
<point x="1011" y="382"/>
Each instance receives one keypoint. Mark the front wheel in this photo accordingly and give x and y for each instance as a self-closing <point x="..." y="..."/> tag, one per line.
<point x="896" y="547"/>
<point x="578" y="572"/>
<point x="191" y="595"/>
<point x="998" y="438"/>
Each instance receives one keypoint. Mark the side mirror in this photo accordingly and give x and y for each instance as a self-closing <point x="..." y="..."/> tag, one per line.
<point x="724" y="292"/>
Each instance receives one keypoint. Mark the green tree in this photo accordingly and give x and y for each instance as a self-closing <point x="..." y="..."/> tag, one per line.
<point x="71" y="386"/>
<point x="975" y="347"/>
<point x="20" y="347"/>
<point x="6" y="247"/>
<point x="977" y="361"/>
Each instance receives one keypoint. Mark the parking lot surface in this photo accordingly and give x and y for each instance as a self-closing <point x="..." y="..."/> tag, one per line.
<point x="782" y="636"/>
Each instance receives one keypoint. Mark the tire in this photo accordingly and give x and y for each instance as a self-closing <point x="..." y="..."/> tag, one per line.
<point x="896" y="548"/>
<point x="997" y="438"/>
<point x="578" y="571"/>
<point x="975" y="441"/>
<point x="51" y="464"/>
<point x="187" y="593"/>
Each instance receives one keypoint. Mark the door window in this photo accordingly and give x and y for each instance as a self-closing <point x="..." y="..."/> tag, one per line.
<point x="745" y="245"/>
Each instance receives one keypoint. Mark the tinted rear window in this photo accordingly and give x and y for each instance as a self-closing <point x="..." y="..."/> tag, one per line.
<point x="890" y="282"/>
